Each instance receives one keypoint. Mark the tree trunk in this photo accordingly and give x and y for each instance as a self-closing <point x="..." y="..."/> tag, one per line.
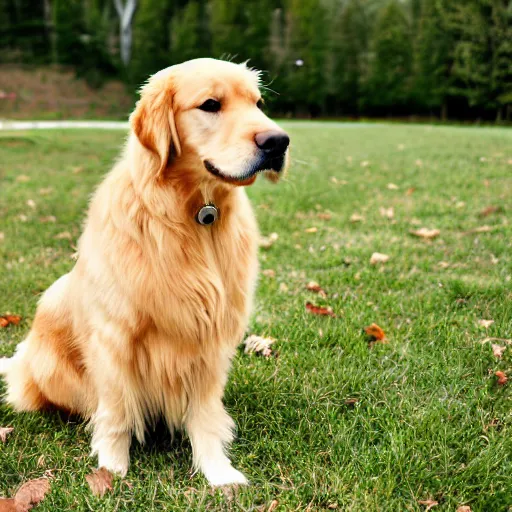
<point x="125" y="13"/>
<point x="444" y="111"/>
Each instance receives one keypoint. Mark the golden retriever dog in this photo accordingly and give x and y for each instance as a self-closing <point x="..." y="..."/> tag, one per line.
<point x="146" y="323"/>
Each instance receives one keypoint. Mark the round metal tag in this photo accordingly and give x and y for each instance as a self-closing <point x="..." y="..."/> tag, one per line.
<point x="207" y="215"/>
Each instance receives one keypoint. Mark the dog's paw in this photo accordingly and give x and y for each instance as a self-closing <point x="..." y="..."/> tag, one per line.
<point x="225" y="475"/>
<point x="114" y="458"/>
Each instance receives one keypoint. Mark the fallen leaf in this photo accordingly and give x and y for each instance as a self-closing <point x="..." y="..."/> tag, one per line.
<point x="319" y="310"/>
<point x="76" y="170"/>
<point x="31" y="203"/>
<point x="480" y="229"/>
<point x="268" y="272"/>
<point x="365" y="163"/>
<point x="28" y="495"/>
<point x="65" y="235"/>
<point x="272" y="506"/>
<point x="6" y="320"/>
<point x="489" y="210"/>
<point x="311" y="230"/>
<point x="23" y="217"/>
<point x="48" y="218"/>
<point x="429" y="503"/>
<point x="2" y="236"/>
<point x="485" y="323"/>
<point x="426" y="233"/>
<point x="45" y="191"/>
<point x="497" y="350"/>
<point x="351" y="401"/>
<point x="283" y="287"/>
<point x="389" y="213"/>
<point x="313" y="286"/>
<point x="378" y="257"/>
<point x="376" y="334"/>
<point x="324" y="215"/>
<point x="4" y="432"/>
<point x="100" y="481"/>
<point x="258" y="345"/>
<point x="463" y="508"/>
<point x="419" y="163"/>
<point x="268" y="241"/>
<point x="392" y="186"/>
<point x="22" y="178"/>
<point x="410" y="191"/>
<point x="355" y="217"/>
<point x="502" y="378"/>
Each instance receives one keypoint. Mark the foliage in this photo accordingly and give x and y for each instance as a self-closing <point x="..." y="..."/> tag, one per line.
<point x="324" y="57"/>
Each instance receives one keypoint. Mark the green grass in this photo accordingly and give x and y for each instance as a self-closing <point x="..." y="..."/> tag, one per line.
<point x="430" y="421"/>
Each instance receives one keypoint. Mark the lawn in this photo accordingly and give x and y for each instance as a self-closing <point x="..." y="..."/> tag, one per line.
<point x="332" y="421"/>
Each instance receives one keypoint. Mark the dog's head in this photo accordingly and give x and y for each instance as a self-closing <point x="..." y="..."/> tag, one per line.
<point x="205" y="116"/>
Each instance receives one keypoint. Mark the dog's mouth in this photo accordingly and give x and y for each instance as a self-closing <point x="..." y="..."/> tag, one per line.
<point x="275" y="164"/>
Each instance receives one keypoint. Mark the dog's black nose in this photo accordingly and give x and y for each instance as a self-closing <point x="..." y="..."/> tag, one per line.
<point x="272" y="142"/>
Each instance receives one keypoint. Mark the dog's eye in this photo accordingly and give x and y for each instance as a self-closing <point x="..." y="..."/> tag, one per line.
<point x="210" y="106"/>
<point x="259" y="104"/>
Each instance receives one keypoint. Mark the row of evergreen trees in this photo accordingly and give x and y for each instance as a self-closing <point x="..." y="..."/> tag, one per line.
<point x="324" y="57"/>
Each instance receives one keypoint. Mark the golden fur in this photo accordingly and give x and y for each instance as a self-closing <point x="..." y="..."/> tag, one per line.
<point x="146" y="323"/>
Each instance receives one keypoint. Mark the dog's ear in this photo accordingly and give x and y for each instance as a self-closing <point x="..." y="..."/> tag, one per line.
<point x="153" y="123"/>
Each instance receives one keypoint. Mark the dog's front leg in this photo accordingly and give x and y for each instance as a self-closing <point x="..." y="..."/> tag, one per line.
<point x="210" y="430"/>
<point x="113" y="421"/>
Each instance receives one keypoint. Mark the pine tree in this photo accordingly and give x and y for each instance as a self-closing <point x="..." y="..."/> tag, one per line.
<point x="350" y="54"/>
<point x="389" y="84"/>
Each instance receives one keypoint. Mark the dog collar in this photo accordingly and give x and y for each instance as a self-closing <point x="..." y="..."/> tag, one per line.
<point x="207" y="215"/>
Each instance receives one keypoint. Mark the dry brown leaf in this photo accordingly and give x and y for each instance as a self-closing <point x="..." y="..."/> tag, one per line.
<point x="376" y="333"/>
<point x="324" y="215"/>
<point x="351" y="401"/>
<point x="429" y="503"/>
<point x="76" y="170"/>
<point x="7" y="505"/>
<point x="426" y="233"/>
<point x="489" y="210"/>
<point x="7" y="320"/>
<point x="389" y="213"/>
<point x="481" y="229"/>
<point x="313" y="286"/>
<point x="29" y="494"/>
<point x="355" y="217"/>
<point x="4" y="432"/>
<point x="22" y="178"/>
<point x="65" y="235"/>
<point x="268" y="272"/>
<point x="48" y="218"/>
<point x="45" y="191"/>
<point x="31" y="203"/>
<point x="378" y="257"/>
<point x="311" y="230"/>
<point x="258" y="345"/>
<point x="320" y="310"/>
<point x="272" y="506"/>
<point x="2" y="236"/>
<point x="268" y="241"/>
<point x="485" y="323"/>
<point x="502" y="378"/>
<point x="498" y="350"/>
<point x="463" y="508"/>
<point x="410" y="191"/>
<point x="392" y="186"/>
<point x="100" y="481"/>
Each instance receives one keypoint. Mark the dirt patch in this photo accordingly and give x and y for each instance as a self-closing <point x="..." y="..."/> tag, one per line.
<point x="54" y="92"/>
